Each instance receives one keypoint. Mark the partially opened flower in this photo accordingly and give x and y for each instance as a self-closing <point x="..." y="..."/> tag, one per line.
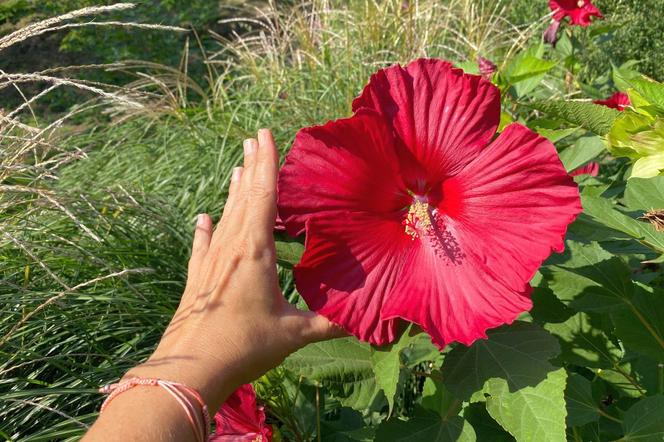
<point x="591" y="169"/>
<point x="413" y="211"/>
<point x="241" y="419"/>
<point x="487" y="67"/>
<point x="578" y="11"/>
<point x="550" y="35"/>
<point x="618" y="100"/>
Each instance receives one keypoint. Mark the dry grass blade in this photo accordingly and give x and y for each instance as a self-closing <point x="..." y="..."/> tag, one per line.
<point x="46" y="25"/>
<point x="9" y="79"/>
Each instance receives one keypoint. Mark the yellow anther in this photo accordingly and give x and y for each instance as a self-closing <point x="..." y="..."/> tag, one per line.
<point x="417" y="218"/>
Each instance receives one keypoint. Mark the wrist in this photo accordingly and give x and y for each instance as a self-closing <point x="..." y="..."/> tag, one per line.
<point x="214" y="386"/>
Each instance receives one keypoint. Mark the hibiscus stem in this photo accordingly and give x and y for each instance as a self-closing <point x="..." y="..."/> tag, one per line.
<point x="318" y="432"/>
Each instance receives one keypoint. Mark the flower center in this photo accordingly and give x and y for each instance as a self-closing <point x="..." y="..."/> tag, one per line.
<point x="580" y="3"/>
<point x="424" y="223"/>
<point x="418" y="218"/>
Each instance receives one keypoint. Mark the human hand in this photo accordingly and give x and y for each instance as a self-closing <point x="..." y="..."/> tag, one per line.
<point x="233" y="323"/>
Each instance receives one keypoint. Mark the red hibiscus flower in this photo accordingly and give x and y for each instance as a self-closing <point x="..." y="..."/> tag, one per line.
<point x="618" y="100"/>
<point x="241" y="419"/>
<point x="591" y="169"/>
<point x="412" y="212"/>
<point x="578" y="11"/>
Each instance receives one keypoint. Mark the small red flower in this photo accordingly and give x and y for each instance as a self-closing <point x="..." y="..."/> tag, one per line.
<point x="618" y="100"/>
<point x="241" y="419"/>
<point x="578" y="11"/>
<point x="591" y="169"/>
<point x="412" y="212"/>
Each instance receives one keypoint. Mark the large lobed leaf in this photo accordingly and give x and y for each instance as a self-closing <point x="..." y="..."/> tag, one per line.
<point x="344" y="363"/>
<point x="511" y="371"/>
<point x="426" y="426"/>
<point x="644" y="421"/>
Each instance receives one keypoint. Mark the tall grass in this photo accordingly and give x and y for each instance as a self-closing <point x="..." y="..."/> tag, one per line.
<point x="95" y="224"/>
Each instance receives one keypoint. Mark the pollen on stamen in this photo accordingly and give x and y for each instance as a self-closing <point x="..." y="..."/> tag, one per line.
<point x="417" y="219"/>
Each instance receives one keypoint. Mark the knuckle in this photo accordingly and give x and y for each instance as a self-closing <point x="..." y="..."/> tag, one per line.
<point x="259" y="192"/>
<point x="239" y="249"/>
<point x="260" y="249"/>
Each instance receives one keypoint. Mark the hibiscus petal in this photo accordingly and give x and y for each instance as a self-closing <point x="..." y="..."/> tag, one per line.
<point x="443" y="116"/>
<point x="345" y="165"/>
<point x="591" y="169"/>
<point x="453" y="302"/>
<point x="240" y="418"/>
<point x="349" y="267"/>
<point x="619" y="101"/>
<point x="579" y="11"/>
<point x="498" y="220"/>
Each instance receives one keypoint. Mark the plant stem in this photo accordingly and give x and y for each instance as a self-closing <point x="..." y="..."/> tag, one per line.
<point x="608" y="416"/>
<point x="318" y="433"/>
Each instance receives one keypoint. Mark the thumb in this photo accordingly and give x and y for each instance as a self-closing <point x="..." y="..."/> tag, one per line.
<point x="319" y="328"/>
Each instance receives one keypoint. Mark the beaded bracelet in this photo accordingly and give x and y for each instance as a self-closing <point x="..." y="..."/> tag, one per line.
<point x="200" y="421"/>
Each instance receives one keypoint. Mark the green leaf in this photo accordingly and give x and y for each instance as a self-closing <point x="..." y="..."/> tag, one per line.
<point x="387" y="361"/>
<point x="348" y="426"/>
<point x="555" y="135"/>
<point x="547" y="307"/>
<point x="583" y="150"/>
<point x="469" y="67"/>
<point x="624" y="74"/>
<point x="581" y="406"/>
<point x="437" y="398"/>
<point x="620" y="378"/>
<point x="583" y="343"/>
<point x="644" y="421"/>
<point x="486" y="428"/>
<point x="426" y="426"/>
<point x="602" y="210"/>
<point x="525" y="71"/>
<point x="589" y="270"/>
<point x="597" y="119"/>
<point x="534" y="413"/>
<point x="651" y="90"/>
<point x="640" y="326"/>
<point x="511" y="371"/>
<point x="645" y="193"/>
<point x="343" y="363"/>
<point x="289" y="251"/>
<point x="649" y="165"/>
<point x="518" y="353"/>
<point x="420" y="350"/>
<point x="525" y="66"/>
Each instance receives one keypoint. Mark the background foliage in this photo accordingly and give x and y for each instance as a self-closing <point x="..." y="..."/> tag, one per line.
<point x="97" y="203"/>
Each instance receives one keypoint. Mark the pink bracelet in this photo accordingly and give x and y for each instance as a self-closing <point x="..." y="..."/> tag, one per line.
<point x="180" y="392"/>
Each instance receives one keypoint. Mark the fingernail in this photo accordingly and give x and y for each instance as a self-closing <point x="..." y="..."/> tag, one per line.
<point x="237" y="173"/>
<point x="200" y="220"/>
<point x="249" y="146"/>
<point x="263" y="132"/>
